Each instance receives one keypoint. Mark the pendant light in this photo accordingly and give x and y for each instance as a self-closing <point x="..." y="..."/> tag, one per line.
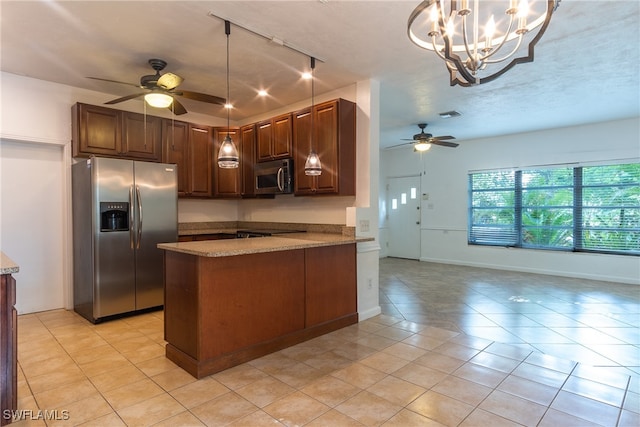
<point x="228" y="157"/>
<point x="312" y="167"/>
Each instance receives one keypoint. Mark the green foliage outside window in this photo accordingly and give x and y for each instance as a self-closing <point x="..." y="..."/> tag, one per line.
<point x="587" y="208"/>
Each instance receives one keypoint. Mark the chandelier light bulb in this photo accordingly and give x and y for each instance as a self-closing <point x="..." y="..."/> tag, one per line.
<point x="523" y="9"/>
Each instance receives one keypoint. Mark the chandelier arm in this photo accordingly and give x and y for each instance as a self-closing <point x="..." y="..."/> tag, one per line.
<point x="494" y="61"/>
<point x="504" y="39"/>
<point x="435" y="48"/>
<point x="465" y="38"/>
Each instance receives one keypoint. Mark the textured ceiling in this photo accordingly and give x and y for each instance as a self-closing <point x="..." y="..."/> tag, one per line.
<point x="586" y="69"/>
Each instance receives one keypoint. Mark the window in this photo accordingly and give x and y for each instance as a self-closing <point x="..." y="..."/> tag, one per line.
<point x="586" y="208"/>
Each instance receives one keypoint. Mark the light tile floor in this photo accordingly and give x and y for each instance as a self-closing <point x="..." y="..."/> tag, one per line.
<point x="408" y="366"/>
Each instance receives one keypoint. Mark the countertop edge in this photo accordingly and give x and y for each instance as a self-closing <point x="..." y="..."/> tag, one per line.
<point x="235" y="247"/>
<point x="7" y="266"/>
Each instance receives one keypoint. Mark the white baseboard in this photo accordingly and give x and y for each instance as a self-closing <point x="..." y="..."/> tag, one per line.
<point x="367" y="314"/>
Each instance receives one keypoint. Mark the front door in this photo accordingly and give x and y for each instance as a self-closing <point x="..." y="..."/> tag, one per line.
<point x="403" y="209"/>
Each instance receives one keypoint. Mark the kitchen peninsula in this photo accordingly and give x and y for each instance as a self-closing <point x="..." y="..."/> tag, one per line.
<point x="233" y="300"/>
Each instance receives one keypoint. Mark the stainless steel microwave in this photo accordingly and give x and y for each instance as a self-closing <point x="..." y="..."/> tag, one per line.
<point x="275" y="177"/>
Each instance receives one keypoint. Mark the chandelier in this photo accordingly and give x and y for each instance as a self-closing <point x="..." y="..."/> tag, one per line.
<point x="480" y="40"/>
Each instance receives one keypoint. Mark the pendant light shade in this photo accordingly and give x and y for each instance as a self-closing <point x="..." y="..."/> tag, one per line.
<point x="228" y="157"/>
<point x="228" y="154"/>
<point x="312" y="166"/>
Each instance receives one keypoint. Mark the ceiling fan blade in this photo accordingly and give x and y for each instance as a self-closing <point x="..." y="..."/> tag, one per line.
<point x="202" y="97"/>
<point x="177" y="108"/>
<point x="444" y="137"/>
<point x="126" y="98"/>
<point x="113" y="81"/>
<point x="169" y="81"/>
<point x="444" y="143"/>
<point x="400" y="145"/>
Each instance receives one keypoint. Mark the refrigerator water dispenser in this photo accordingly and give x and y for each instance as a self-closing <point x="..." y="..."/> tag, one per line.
<point x="114" y="216"/>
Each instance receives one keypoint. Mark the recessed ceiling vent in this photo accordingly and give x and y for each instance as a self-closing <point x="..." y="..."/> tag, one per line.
<point x="449" y="114"/>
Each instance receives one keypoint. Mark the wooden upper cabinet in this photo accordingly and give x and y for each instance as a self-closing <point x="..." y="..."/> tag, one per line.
<point x="107" y="132"/>
<point x="190" y="147"/>
<point x="334" y="138"/>
<point x="274" y="138"/>
<point x="141" y="136"/>
<point x="226" y="182"/>
<point x="200" y="161"/>
<point x="95" y="130"/>
<point x="247" y="149"/>
<point x="175" y="149"/>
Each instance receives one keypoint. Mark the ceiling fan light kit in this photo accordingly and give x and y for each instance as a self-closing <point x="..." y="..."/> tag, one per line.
<point x="452" y="29"/>
<point x="158" y="100"/>
<point x="421" y="146"/>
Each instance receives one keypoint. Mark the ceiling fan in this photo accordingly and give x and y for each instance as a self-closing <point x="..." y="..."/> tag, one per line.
<point x="164" y="86"/>
<point x="422" y="141"/>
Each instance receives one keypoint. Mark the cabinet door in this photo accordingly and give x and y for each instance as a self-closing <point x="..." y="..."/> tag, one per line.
<point x="326" y="145"/>
<point x="334" y="141"/>
<point x="330" y="283"/>
<point x="226" y="182"/>
<point x="302" y="183"/>
<point x="141" y="136"/>
<point x="264" y="137"/>
<point x="96" y="130"/>
<point x="175" y="138"/>
<point x="200" y="142"/>
<point x="247" y="160"/>
<point x="282" y="136"/>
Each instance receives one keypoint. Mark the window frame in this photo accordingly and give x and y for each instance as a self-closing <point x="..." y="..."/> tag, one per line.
<point x="576" y="231"/>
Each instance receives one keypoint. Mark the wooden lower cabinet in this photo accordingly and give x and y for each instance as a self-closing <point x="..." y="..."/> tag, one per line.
<point x="223" y="311"/>
<point x="330" y="277"/>
<point x="8" y="349"/>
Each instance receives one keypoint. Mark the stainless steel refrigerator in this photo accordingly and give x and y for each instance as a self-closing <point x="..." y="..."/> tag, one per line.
<point x="121" y="210"/>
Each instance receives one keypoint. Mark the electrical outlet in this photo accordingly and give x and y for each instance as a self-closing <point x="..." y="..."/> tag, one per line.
<point x="370" y="284"/>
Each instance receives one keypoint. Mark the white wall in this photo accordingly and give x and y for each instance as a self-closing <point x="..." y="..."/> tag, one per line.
<point x="444" y="215"/>
<point x="32" y="230"/>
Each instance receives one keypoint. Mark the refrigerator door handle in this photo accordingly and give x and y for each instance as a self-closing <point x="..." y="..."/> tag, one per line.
<point x="139" y="199"/>
<point x="131" y="218"/>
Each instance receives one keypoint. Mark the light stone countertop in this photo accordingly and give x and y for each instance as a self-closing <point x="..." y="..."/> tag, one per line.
<point x="281" y="242"/>
<point x="7" y="266"/>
